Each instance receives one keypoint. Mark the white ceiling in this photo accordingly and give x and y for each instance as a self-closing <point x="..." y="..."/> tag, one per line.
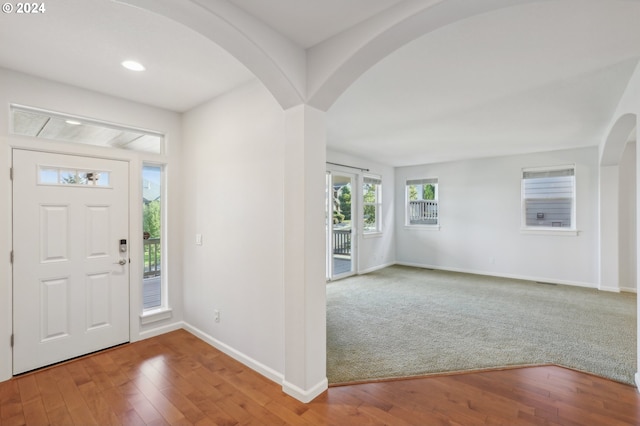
<point x="308" y="22"/>
<point x="537" y="77"/>
<point x="83" y="42"/>
<point x="527" y="78"/>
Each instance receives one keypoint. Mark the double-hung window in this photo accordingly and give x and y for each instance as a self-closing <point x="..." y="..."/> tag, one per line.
<point x="372" y="204"/>
<point x="422" y="202"/>
<point x="548" y="198"/>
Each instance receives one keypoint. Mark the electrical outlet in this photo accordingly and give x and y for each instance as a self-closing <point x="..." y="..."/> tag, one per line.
<point x="216" y="315"/>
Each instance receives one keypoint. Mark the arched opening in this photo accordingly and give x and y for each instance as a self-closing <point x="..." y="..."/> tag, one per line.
<point x="618" y="207"/>
<point x="285" y="75"/>
<point x="369" y="147"/>
<point x="620" y="134"/>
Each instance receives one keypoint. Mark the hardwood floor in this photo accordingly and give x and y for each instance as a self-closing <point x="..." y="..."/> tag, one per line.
<point x="177" y="379"/>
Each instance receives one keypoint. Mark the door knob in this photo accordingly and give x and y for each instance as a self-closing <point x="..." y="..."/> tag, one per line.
<point x="121" y="262"/>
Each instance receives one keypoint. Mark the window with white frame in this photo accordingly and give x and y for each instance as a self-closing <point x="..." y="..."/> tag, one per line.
<point x="372" y="204"/>
<point x="422" y="201"/>
<point x="548" y="197"/>
<point x="57" y="126"/>
<point x="153" y="280"/>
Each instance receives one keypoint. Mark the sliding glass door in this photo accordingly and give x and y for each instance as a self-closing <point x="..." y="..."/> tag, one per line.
<point x="341" y="225"/>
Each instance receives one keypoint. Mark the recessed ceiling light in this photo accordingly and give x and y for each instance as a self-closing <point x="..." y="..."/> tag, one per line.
<point x="133" y="66"/>
<point x="73" y="122"/>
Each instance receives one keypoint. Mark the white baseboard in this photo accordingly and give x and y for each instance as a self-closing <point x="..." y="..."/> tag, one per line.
<point x="501" y="275"/>
<point x="289" y="388"/>
<point x="159" y="330"/>
<point x="268" y="372"/>
<point x="302" y="395"/>
<point x="619" y="289"/>
<point x="375" y="268"/>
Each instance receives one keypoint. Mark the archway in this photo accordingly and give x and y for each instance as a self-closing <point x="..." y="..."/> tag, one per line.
<point x="617" y="206"/>
<point x="617" y="139"/>
<point x="318" y="75"/>
<point x="305" y="83"/>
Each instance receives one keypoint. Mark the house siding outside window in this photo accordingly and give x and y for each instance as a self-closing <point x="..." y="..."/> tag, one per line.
<point x="548" y="198"/>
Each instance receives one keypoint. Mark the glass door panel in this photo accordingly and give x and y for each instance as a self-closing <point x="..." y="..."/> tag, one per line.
<point x="340" y="225"/>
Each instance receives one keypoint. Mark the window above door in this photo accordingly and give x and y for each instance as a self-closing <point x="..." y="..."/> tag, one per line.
<point x="28" y="121"/>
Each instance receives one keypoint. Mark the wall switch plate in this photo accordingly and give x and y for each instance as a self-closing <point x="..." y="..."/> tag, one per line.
<point x="199" y="239"/>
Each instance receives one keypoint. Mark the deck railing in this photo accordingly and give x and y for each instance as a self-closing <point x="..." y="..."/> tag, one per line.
<point x="152" y="257"/>
<point x="423" y="212"/>
<point x="342" y="241"/>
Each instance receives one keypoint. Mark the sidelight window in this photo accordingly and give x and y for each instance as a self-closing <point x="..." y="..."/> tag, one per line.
<point x="153" y="288"/>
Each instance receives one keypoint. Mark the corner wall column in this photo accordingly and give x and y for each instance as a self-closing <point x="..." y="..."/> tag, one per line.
<point x="637" y="375"/>
<point x="609" y="228"/>
<point x="305" y="375"/>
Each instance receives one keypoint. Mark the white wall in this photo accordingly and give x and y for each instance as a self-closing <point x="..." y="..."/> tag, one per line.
<point x="627" y="250"/>
<point x="234" y="197"/>
<point x="629" y="104"/>
<point x="26" y="90"/>
<point x="480" y="218"/>
<point x="375" y="251"/>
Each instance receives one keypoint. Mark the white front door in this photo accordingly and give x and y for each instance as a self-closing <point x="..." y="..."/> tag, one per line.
<point x="71" y="259"/>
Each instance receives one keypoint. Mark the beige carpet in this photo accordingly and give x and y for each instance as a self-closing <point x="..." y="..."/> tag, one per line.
<point x="403" y="321"/>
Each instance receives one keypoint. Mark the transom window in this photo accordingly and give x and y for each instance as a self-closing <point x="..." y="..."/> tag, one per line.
<point x="422" y="201"/>
<point x="34" y="122"/>
<point x="548" y="197"/>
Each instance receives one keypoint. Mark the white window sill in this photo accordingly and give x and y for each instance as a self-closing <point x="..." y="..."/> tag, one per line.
<point x="372" y="235"/>
<point x="422" y="227"/>
<point x="155" y="315"/>
<point x="550" y="231"/>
